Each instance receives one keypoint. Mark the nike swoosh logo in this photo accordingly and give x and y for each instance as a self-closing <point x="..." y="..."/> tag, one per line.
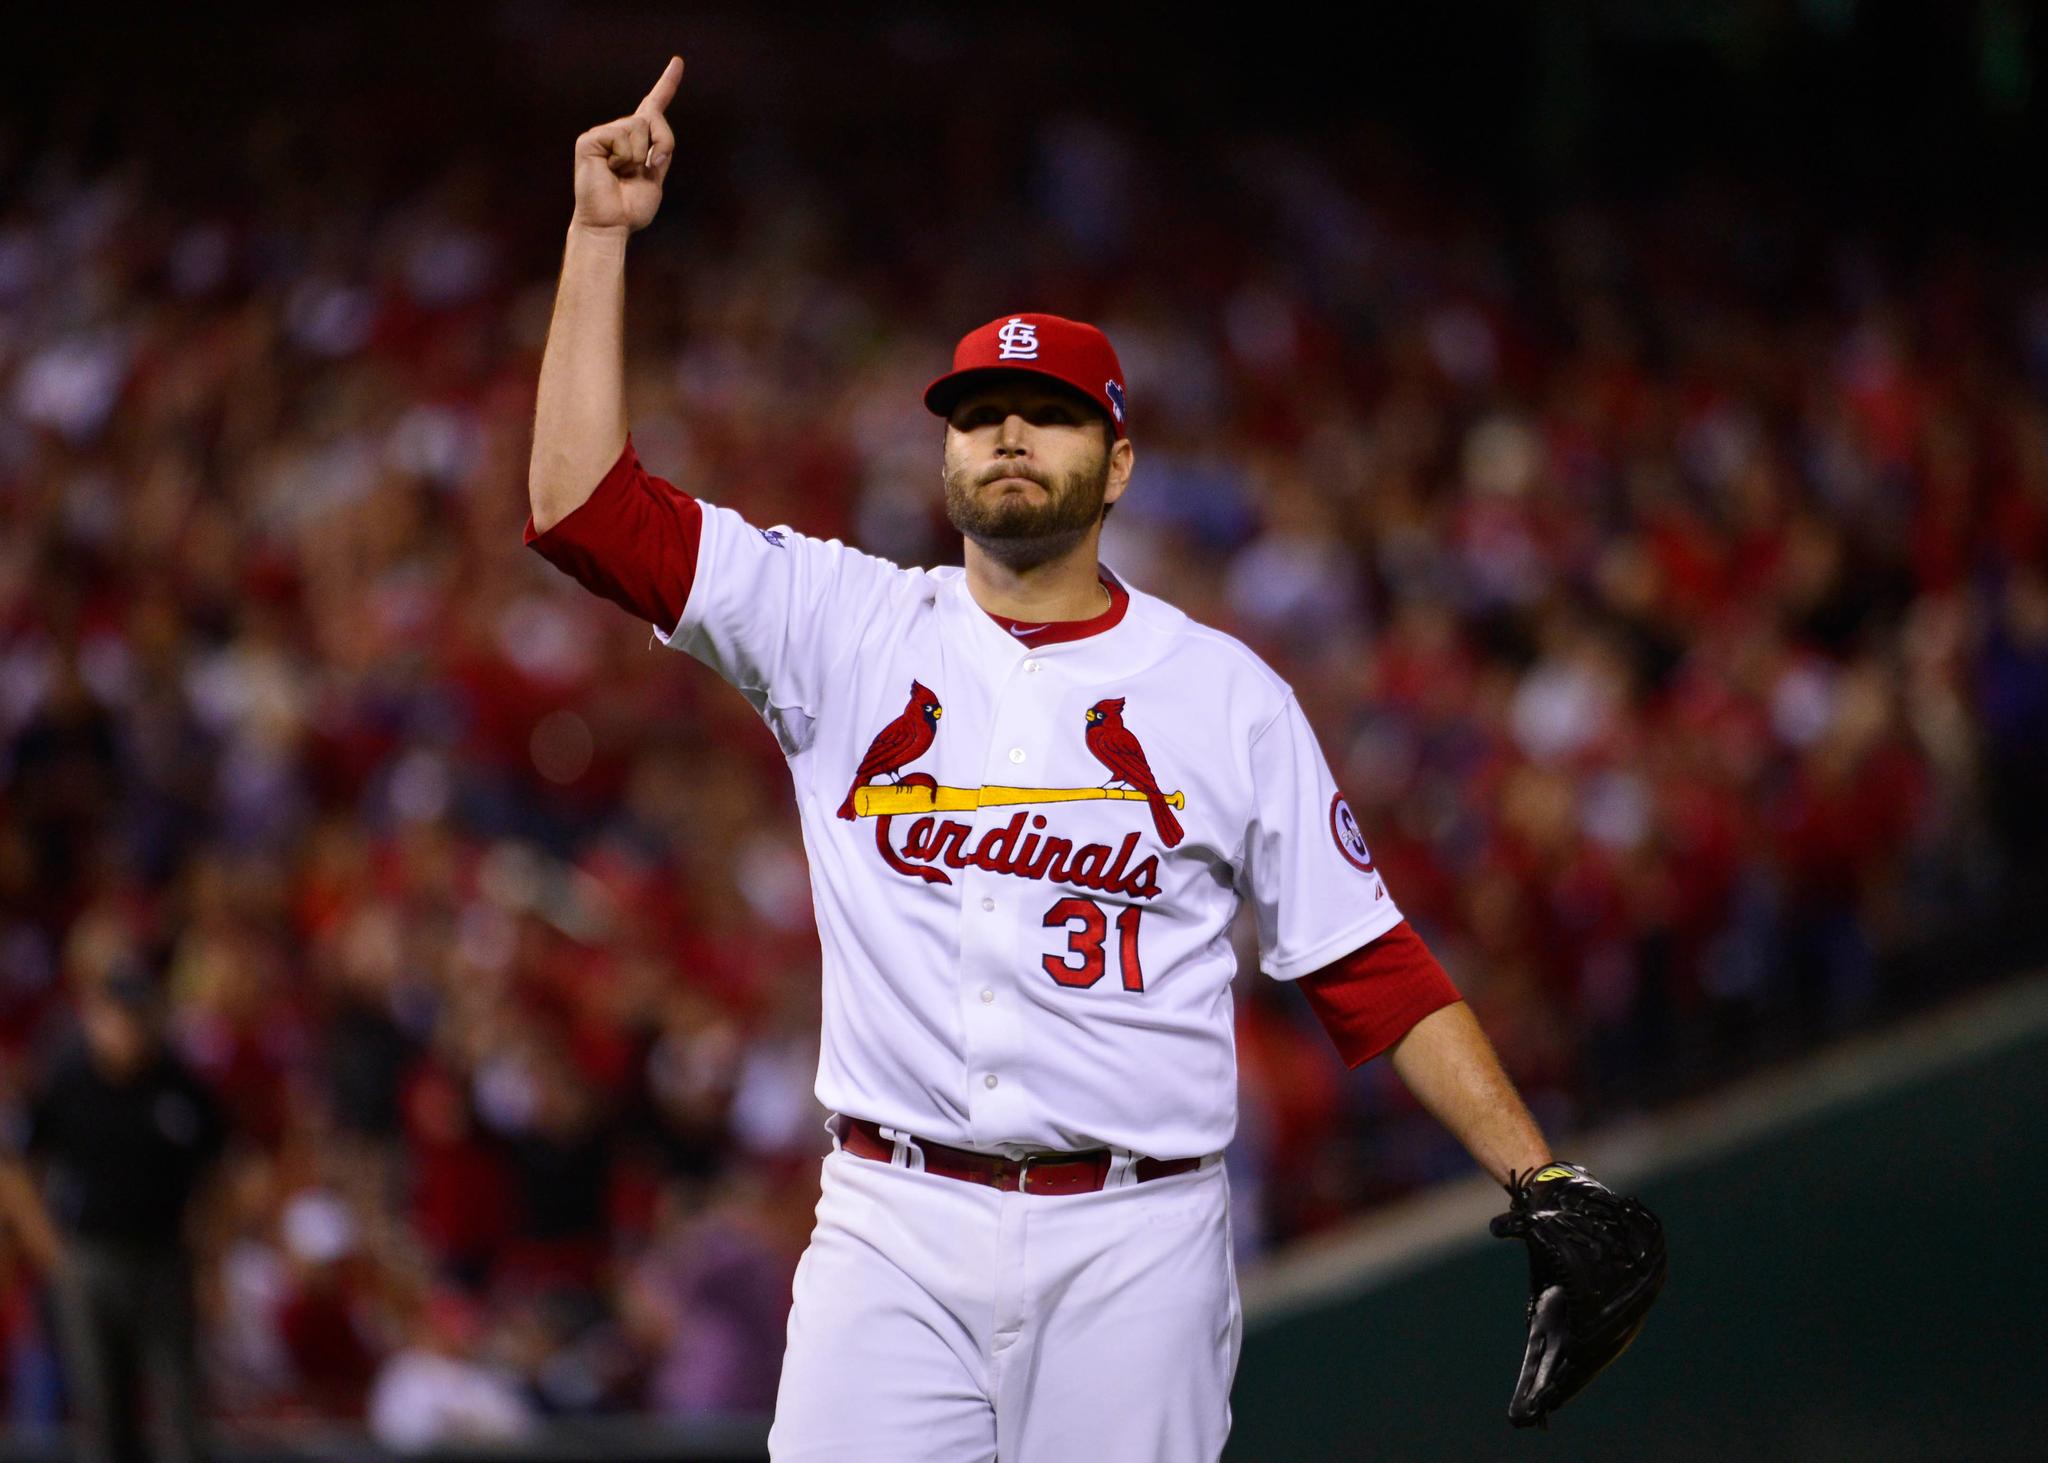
<point x="1020" y="631"/>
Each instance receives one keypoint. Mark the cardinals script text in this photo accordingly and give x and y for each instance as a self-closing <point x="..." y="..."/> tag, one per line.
<point x="1015" y="850"/>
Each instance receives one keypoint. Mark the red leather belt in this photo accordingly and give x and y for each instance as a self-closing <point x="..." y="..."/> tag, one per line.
<point x="1041" y="1173"/>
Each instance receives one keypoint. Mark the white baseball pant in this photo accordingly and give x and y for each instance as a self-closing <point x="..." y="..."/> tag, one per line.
<point x="940" y="1321"/>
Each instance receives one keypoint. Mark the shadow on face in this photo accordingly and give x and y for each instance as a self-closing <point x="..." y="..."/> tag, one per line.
<point x="1031" y="466"/>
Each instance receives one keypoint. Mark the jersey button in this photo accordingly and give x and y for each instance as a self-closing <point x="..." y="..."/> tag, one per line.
<point x="988" y="998"/>
<point x="1016" y="754"/>
<point x="988" y="904"/>
<point x="1031" y="667"/>
<point x="989" y="1080"/>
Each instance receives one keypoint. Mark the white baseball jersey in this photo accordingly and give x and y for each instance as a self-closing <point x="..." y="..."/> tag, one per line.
<point x="1024" y="902"/>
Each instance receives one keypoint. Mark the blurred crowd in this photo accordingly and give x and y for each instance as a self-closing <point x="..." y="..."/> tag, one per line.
<point x="1666" y="585"/>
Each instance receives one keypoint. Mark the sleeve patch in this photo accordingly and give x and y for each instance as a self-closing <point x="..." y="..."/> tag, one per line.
<point x="1350" y="839"/>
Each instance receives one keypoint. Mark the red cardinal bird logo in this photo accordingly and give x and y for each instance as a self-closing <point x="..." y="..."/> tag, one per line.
<point x="898" y="744"/>
<point x="1117" y="749"/>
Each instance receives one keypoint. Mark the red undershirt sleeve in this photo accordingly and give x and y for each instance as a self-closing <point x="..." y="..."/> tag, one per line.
<point x="1370" y="998"/>
<point x="634" y="541"/>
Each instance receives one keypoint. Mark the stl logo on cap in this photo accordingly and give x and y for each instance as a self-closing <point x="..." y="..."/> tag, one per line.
<point x="1019" y="341"/>
<point x="1072" y="352"/>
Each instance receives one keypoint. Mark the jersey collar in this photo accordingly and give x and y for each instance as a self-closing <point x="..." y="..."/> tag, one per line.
<point x="1032" y="634"/>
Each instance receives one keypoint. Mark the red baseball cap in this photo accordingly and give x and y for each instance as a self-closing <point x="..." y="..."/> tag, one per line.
<point x="1069" y="351"/>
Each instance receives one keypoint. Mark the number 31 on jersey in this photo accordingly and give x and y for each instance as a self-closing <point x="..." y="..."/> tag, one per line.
<point x="1086" y="963"/>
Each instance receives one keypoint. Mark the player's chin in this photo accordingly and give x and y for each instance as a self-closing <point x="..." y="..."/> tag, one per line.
<point x="1014" y="518"/>
<point x="994" y="511"/>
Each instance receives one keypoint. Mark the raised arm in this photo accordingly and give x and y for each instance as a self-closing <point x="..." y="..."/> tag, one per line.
<point x="579" y="420"/>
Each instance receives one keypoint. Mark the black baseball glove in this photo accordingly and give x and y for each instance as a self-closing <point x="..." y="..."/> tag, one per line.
<point x="1596" y="1262"/>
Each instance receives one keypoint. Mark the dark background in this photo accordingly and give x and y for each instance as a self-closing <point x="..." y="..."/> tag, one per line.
<point x="1919" y="120"/>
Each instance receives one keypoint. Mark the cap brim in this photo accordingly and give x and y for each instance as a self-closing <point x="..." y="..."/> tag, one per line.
<point x="944" y="394"/>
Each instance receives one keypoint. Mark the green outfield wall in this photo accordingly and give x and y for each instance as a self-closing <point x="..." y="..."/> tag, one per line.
<point x="1867" y="1281"/>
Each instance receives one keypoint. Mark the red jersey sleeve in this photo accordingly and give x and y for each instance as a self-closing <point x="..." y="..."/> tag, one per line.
<point x="634" y="541"/>
<point x="1370" y="998"/>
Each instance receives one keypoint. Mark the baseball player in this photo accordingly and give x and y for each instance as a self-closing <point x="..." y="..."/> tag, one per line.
<point x="1033" y="797"/>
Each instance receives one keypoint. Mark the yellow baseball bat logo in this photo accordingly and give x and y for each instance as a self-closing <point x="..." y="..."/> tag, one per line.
<point x="907" y="798"/>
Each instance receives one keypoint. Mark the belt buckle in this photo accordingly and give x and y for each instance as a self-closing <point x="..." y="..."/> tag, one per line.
<point x="1025" y="1168"/>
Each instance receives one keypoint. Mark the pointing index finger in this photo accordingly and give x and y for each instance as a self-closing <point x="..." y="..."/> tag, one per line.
<point x="656" y="101"/>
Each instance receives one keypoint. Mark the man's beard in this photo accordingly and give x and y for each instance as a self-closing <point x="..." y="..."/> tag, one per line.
<point x="1016" y="531"/>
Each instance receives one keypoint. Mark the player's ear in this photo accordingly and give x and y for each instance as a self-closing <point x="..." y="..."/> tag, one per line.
<point x="1121" y="458"/>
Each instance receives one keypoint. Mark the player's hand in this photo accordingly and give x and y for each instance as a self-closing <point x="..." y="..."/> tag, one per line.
<point x="620" y="166"/>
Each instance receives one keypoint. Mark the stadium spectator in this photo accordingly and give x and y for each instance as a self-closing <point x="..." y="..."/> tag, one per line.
<point x="125" y="1136"/>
